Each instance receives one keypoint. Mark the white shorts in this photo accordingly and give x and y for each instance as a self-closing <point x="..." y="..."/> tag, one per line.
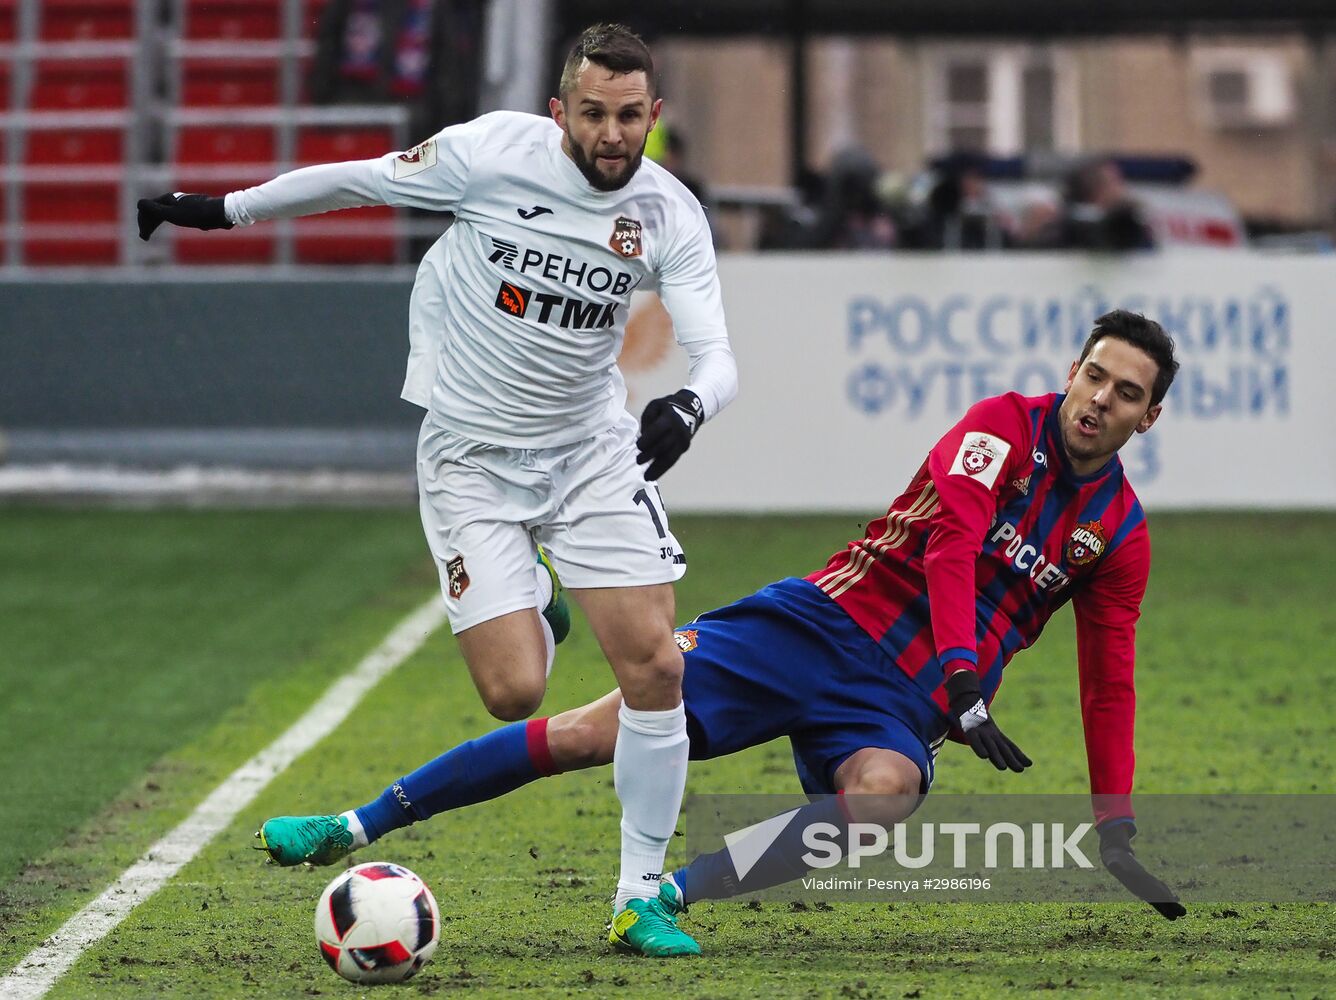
<point x="486" y="507"/>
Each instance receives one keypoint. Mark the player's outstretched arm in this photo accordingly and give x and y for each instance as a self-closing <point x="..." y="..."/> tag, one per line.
<point x="971" y="714"/>
<point x="325" y="187"/>
<point x="1115" y="850"/>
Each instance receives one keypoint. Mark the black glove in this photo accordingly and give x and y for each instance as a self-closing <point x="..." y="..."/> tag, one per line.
<point x="1115" y="850"/>
<point x="970" y="713"/>
<point x="666" y="429"/>
<point x="193" y="211"/>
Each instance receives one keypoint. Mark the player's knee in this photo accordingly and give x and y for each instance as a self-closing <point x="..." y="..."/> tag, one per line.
<point x="512" y="701"/>
<point x="883" y="794"/>
<point x="651" y="676"/>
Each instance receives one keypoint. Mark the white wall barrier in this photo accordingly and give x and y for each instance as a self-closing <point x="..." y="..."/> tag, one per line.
<point x="852" y="366"/>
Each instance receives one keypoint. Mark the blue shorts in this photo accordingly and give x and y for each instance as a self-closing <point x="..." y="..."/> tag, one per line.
<point x="788" y="661"/>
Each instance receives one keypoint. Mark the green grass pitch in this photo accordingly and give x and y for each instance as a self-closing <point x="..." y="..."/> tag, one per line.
<point x="144" y="655"/>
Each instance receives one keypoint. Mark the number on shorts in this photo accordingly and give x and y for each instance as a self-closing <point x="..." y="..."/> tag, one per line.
<point x="642" y="496"/>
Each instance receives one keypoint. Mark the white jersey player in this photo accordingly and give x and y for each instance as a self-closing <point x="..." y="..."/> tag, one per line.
<point x="516" y="321"/>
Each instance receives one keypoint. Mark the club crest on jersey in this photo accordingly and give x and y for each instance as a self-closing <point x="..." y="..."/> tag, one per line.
<point x="626" y="237"/>
<point x="458" y="577"/>
<point x="686" y="639"/>
<point x="512" y="299"/>
<point x="1086" y="544"/>
<point x="413" y="161"/>
<point x="981" y="457"/>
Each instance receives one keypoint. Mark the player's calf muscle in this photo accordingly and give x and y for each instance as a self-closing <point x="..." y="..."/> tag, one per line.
<point x="585" y="736"/>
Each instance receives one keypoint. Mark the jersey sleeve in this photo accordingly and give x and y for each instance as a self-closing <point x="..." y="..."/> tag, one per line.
<point x="968" y="466"/>
<point x="688" y="281"/>
<point x="1107" y="610"/>
<point x="432" y="175"/>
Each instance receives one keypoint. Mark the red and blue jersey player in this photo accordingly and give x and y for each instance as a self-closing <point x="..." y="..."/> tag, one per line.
<point x="900" y="642"/>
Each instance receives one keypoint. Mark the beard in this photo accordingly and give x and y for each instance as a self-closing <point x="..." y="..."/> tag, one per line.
<point x="598" y="180"/>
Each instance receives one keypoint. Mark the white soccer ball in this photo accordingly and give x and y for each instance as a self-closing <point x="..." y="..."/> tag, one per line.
<point x="377" y="923"/>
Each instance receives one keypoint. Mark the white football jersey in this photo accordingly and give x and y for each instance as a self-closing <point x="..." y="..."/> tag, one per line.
<point x="518" y="311"/>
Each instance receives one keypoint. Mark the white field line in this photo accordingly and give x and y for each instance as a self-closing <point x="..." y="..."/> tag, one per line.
<point x="32" y="977"/>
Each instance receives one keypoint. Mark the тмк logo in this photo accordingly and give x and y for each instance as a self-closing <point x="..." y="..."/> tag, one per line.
<point x="512" y="299"/>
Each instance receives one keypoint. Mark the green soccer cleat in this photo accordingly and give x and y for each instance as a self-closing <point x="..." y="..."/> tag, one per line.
<point x="649" y="926"/>
<point x="557" y="612"/>
<point x="310" y="840"/>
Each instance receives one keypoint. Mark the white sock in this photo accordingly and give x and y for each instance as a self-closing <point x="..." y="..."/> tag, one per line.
<point x="542" y="585"/>
<point x="355" y="828"/>
<point x="549" y="642"/>
<point x="649" y="771"/>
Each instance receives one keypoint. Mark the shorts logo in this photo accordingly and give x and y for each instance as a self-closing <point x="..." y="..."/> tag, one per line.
<point x="626" y="237"/>
<point x="981" y="457"/>
<point x="1086" y="544"/>
<point x="512" y="299"/>
<point x="686" y="639"/>
<point x="459" y="577"/>
<point x="414" y="161"/>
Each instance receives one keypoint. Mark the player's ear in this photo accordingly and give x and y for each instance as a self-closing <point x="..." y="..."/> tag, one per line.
<point x="654" y="110"/>
<point x="1152" y="415"/>
<point x="557" y="110"/>
<point x="1071" y="376"/>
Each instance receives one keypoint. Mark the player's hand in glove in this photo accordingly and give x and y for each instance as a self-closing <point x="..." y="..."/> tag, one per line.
<point x="1115" y="850"/>
<point x="969" y="712"/>
<point x="666" y="429"/>
<point x="191" y="211"/>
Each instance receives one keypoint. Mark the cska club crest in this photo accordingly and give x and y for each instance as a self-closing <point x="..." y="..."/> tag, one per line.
<point x="1086" y="544"/>
<point x="626" y="237"/>
<point x="459" y="577"/>
<point x="686" y="639"/>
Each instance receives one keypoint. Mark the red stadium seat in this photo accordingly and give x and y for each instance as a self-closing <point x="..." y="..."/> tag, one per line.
<point x="80" y="84"/>
<point x="75" y="205"/>
<point x="330" y="144"/>
<point x="4" y="86"/>
<point x="207" y="144"/>
<point x="8" y="22"/>
<point x="72" y="147"/>
<point x="317" y="240"/>
<point x="86" y="20"/>
<point x="229" y="82"/>
<point x="233" y="19"/>
<point x="314" y="10"/>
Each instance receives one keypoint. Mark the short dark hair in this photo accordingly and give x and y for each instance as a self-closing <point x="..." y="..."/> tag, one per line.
<point x="615" y="47"/>
<point x="1142" y="333"/>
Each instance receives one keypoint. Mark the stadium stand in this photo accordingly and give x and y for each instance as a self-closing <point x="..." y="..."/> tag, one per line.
<point x="103" y="102"/>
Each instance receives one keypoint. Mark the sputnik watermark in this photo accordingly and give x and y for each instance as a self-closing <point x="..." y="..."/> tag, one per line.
<point x="1031" y="848"/>
<point x="869" y="840"/>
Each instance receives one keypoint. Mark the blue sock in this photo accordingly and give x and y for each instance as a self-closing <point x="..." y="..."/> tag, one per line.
<point x="476" y="771"/>
<point x="713" y="876"/>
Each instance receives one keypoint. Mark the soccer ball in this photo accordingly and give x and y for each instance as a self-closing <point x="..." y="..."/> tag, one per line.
<point x="377" y="923"/>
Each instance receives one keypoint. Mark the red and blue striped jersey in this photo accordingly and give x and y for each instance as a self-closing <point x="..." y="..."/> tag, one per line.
<point x="994" y="534"/>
